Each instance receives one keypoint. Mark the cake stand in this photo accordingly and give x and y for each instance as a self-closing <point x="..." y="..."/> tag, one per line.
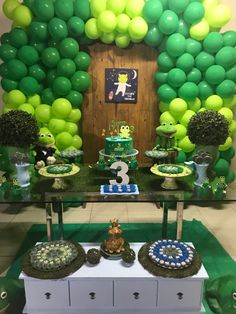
<point x="59" y="183"/>
<point x="132" y="154"/>
<point x="169" y="181"/>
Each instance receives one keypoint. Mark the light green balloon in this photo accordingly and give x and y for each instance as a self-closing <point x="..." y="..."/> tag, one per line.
<point x="71" y="128"/>
<point x="122" y="40"/>
<point x="117" y="7"/>
<point x="227" y="113"/>
<point x="134" y="8"/>
<point x="27" y="108"/>
<point x="181" y="131"/>
<point x="97" y="7"/>
<point x="186" y="145"/>
<point x="106" y="21"/>
<point x="43" y="113"/>
<point x="108" y="38"/>
<point x="200" y="30"/>
<point x="213" y="102"/>
<point x="16" y="98"/>
<point x="56" y="126"/>
<point x="219" y="15"/>
<point x="91" y="29"/>
<point x="61" y="108"/>
<point x="184" y="120"/>
<point x="137" y="28"/>
<point x="167" y="117"/>
<point x="123" y="21"/>
<point x="77" y="141"/>
<point x="194" y="104"/>
<point x="74" y="116"/>
<point x="227" y="144"/>
<point x="64" y="140"/>
<point x="178" y="106"/>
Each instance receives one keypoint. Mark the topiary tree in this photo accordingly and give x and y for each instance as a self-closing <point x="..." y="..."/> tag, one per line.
<point x="18" y="128"/>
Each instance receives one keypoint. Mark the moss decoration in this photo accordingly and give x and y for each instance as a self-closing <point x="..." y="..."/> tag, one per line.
<point x="128" y="256"/>
<point x="93" y="256"/>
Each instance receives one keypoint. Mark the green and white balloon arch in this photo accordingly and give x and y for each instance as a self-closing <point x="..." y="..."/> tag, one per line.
<point x="44" y="72"/>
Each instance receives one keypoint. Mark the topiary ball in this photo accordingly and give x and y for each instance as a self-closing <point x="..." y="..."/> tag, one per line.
<point x="128" y="256"/>
<point x="93" y="256"/>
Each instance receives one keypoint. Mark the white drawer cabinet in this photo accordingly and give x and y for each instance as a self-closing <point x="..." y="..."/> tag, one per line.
<point x="109" y="287"/>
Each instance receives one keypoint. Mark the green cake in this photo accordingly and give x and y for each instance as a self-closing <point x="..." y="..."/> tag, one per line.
<point x="170" y="169"/>
<point x="59" y="169"/>
<point x="118" y="146"/>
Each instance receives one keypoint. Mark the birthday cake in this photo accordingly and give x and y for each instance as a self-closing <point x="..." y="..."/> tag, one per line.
<point x="118" y="146"/>
<point x="59" y="169"/>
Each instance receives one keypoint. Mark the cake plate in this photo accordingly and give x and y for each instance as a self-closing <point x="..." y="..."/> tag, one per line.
<point x="169" y="181"/>
<point x="59" y="183"/>
<point x="134" y="153"/>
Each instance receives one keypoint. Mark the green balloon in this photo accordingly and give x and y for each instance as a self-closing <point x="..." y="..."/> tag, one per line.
<point x="71" y="128"/>
<point x="168" y="22"/>
<point x="61" y="108"/>
<point x="166" y="93"/>
<point x="7" y="52"/>
<point x="165" y="62"/>
<point x="221" y="167"/>
<point x="226" y="89"/>
<point x="82" y="61"/>
<point x="80" y="81"/>
<point x="188" y="91"/>
<point x="226" y="57"/>
<point x="153" y="37"/>
<point x="18" y="37"/>
<point x="28" y="85"/>
<point x="29" y="3"/>
<point x="215" y="74"/>
<point x="56" y="125"/>
<point x="43" y="113"/>
<point x="183" y="28"/>
<point x="38" y="30"/>
<point x="176" y="77"/>
<point x="229" y="38"/>
<point x="193" y="47"/>
<point x="64" y="140"/>
<point x="152" y="11"/>
<point x="47" y="96"/>
<point x="69" y="48"/>
<point x="194" y="13"/>
<point x="57" y="28"/>
<point x="16" y="69"/>
<point x="231" y="74"/>
<point x="213" y="42"/>
<point x="204" y="60"/>
<point x="28" y="55"/>
<point x="106" y="21"/>
<point x="64" y="9"/>
<point x="51" y="75"/>
<point x="4" y="70"/>
<point x="37" y="72"/>
<point x="75" y="98"/>
<point x="160" y="77"/>
<point x="66" y="67"/>
<point x="75" y="26"/>
<point x="97" y="7"/>
<point x="61" y="86"/>
<point x="230" y="177"/>
<point x="194" y="76"/>
<point x="205" y="90"/>
<point x="185" y="62"/>
<point x="91" y="29"/>
<point x="178" y="6"/>
<point x="44" y="10"/>
<point x="115" y="6"/>
<point x="82" y="9"/>
<point x="176" y="45"/>
<point x="53" y="43"/>
<point x="228" y="154"/>
<point x="164" y="4"/>
<point x="5" y="38"/>
<point x="50" y="57"/>
<point x="9" y="85"/>
<point x="38" y="45"/>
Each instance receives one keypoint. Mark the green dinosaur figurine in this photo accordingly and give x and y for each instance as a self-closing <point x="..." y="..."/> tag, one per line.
<point x="221" y="294"/>
<point x="9" y="289"/>
<point x="165" y="136"/>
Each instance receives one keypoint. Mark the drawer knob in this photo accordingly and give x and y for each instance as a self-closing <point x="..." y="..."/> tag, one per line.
<point x="48" y="295"/>
<point x="180" y="295"/>
<point x="136" y="295"/>
<point x="92" y="295"/>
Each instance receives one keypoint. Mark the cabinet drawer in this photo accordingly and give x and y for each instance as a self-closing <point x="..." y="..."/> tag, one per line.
<point x="50" y="294"/>
<point x="138" y="293"/>
<point x="91" y="293"/>
<point x="179" y="294"/>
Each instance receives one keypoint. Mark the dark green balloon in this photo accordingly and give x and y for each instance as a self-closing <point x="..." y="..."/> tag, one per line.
<point x="226" y="89"/>
<point x="178" y="6"/>
<point x="81" y="81"/>
<point x="37" y="71"/>
<point x="165" y="62"/>
<point x="76" y="98"/>
<point x="9" y="85"/>
<point x="194" y="13"/>
<point x="166" y="93"/>
<point x="229" y="38"/>
<point x="28" y="55"/>
<point x="29" y="3"/>
<point x="228" y="154"/>
<point x="204" y="60"/>
<point x="38" y="45"/>
<point x="231" y="74"/>
<point x="152" y="11"/>
<point x="57" y="28"/>
<point x="188" y="91"/>
<point x="64" y="9"/>
<point x="183" y="28"/>
<point x="5" y="38"/>
<point x="168" y="22"/>
<point x="69" y="48"/>
<point x="176" y="77"/>
<point x="213" y="42"/>
<point x="50" y="57"/>
<point x="226" y="57"/>
<point x="39" y="30"/>
<point x="66" y="67"/>
<point x="75" y="26"/>
<point x="7" y="52"/>
<point x="51" y="75"/>
<point x="53" y="43"/>
<point x="47" y="96"/>
<point x="44" y="10"/>
<point x="153" y="36"/>
<point x="28" y="85"/>
<point x="61" y="86"/>
<point x="18" y="37"/>
<point x="205" y="90"/>
<point x="176" y="45"/>
<point x="160" y="77"/>
<point x="82" y="9"/>
<point x="3" y="70"/>
<point x="194" y="76"/>
<point x="16" y="69"/>
<point x="193" y="46"/>
<point x="82" y="61"/>
<point x="164" y="4"/>
<point x="230" y="177"/>
<point x="215" y="74"/>
<point x="84" y="40"/>
<point x="185" y="62"/>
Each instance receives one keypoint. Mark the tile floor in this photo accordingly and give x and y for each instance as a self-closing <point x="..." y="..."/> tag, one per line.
<point x="15" y="221"/>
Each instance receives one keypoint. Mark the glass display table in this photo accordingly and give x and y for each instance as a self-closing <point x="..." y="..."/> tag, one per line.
<point x="84" y="187"/>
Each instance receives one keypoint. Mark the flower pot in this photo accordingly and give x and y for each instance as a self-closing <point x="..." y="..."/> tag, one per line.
<point x="22" y="174"/>
<point x="201" y="171"/>
<point x="213" y="151"/>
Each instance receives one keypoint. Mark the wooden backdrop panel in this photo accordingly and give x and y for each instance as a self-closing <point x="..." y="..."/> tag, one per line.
<point x="143" y="115"/>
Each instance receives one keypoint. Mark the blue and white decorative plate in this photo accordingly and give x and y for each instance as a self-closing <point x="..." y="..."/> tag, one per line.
<point x="171" y="254"/>
<point x="119" y="189"/>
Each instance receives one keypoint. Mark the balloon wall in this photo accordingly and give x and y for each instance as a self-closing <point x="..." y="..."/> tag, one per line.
<point x="44" y="70"/>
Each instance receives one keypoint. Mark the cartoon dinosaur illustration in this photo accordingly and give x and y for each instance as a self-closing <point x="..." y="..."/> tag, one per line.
<point x="122" y="84"/>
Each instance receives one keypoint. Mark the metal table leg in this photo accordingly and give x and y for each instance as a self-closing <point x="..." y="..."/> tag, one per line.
<point x="60" y="220"/>
<point x="179" y="219"/>
<point x="165" y="220"/>
<point x="49" y="220"/>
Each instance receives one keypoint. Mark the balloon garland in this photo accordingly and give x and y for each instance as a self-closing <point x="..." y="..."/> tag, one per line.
<point x="44" y="72"/>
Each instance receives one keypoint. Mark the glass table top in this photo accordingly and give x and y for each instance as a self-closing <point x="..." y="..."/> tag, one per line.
<point x="85" y="187"/>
